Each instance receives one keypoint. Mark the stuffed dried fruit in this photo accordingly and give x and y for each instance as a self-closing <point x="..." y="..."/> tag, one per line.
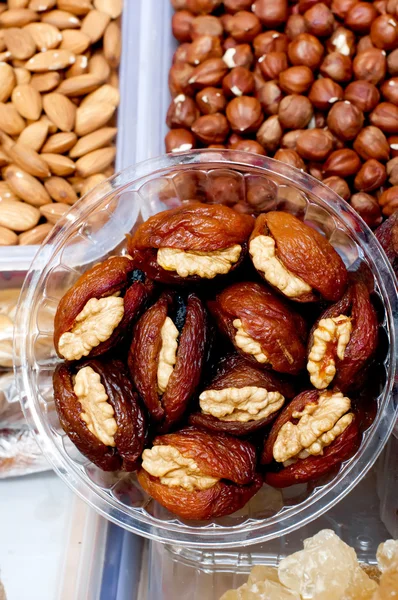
<point x="198" y="475"/>
<point x="100" y="413"/>
<point x="191" y="243"/>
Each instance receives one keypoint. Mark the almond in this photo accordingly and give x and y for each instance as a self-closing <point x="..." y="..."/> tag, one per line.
<point x="61" y="19"/>
<point x="109" y="171"/>
<point x="7" y="81"/>
<point x="26" y="186"/>
<point x="54" y="211"/>
<point x="11" y="121"/>
<point x="27" y="101"/>
<point x="91" y="182"/>
<point x="4" y="158"/>
<point x="59" y="165"/>
<point x="60" y="190"/>
<point x="77" y="7"/>
<point x="42" y="5"/>
<point x="76" y="183"/>
<point x="34" y="135"/>
<point x="19" y="42"/>
<point x="92" y="117"/>
<point x="18" y="3"/>
<point x="52" y="128"/>
<point x="60" y="110"/>
<point x="22" y="75"/>
<point x="79" y="85"/>
<point x="113" y="8"/>
<point x="94" y="24"/>
<point x="2" y="42"/>
<point x="93" y="141"/>
<point x="18" y="17"/>
<point x="29" y="160"/>
<point x="36" y="235"/>
<point x="8" y="237"/>
<point x="18" y="215"/>
<point x="45" y="82"/>
<point x="112" y="44"/>
<point x="96" y="161"/>
<point x="6" y="193"/>
<point x="60" y="143"/>
<point x="50" y="60"/>
<point x="74" y="40"/>
<point x="106" y="93"/>
<point x="114" y="79"/>
<point x="97" y="65"/>
<point x="79" y="68"/>
<point x="46" y="36"/>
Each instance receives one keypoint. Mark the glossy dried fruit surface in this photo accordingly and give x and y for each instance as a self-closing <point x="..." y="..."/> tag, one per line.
<point x="119" y="403"/>
<point x="266" y="321"/>
<point x="304" y="253"/>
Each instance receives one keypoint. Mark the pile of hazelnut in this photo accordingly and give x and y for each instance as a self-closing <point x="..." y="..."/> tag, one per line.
<point x="312" y="84"/>
<point x="219" y="352"/>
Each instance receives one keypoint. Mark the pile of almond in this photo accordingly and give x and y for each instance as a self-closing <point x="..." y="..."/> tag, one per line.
<point x="59" y="64"/>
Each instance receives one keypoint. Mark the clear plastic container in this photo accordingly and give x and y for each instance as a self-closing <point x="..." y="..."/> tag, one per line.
<point x="94" y="229"/>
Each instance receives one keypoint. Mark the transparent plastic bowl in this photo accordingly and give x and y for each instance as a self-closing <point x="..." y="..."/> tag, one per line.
<point x="95" y="229"/>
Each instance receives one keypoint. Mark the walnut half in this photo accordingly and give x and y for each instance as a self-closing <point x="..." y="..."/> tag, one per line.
<point x="247" y="344"/>
<point x="319" y="424"/>
<point x="203" y="264"/>
<point x="175" y="470"/>
<point x="249" y="403"/>
<point x="93" y="325"/>
<point x="168" y="353"/>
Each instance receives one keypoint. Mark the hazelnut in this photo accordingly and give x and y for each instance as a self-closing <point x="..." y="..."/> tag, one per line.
<point x="295" y="25"/>
<point x="202" y="6"/>
<point x="392" y="8"/>
<point x="315" y="169"/>
<point x="360" y="17"/>
<point x="344" y="162"/>
<point x="393" y="143"/>
<point x="345" y="120"/>
<point x="259" y="80"/>
<point x="234" y="6"/>
<point x="270" y="41"/>
<point x="271" y="13"/>
<point x="392" y="171"/>
<point x="325" y="92"/>
<point x="181" y="25"/>
<point x="179" y="140"/>
<point x="202" y="48"/>
<point x="229" y="42"/>
<point x="206" y="25"/>
<point x="389" y="201"/>
<point x="384" y="32"/>
<point x="370" y="65"/>
<point x="270" y="133"/>
<point x="370" y="176"/>
<point x="179" y="79"/>
<point x="389" y="89"/>
<point x="211" y="100"/>
<point x="234" y="140"/>
<point x="295" y="112"/>
<point x="341" y="7"/>
<point x="364" y="43"/>
<point x="319" y="20"/>
<point x="307" y="50"/>
<point x="392" y="62"/>
<point x="250" y="146"/>
<point x="290" y="138"/>
<point x="211" y="72"/>
<point x="296" y="80"/>
<point x="342" y="40"/>
<point x="181" y="54"/>
<point x="244" y="114"/>
<point x="385" y="116"/>
<point x="319" y="121"/>
<point x="238" y="56"/>
<point x="337" y="66"/>
<point x="290" y="157"/>
<point x="367" y="207"/>
<point x="182" y="112"/>
<point x="363" y="94"/>
<point x="244" y="26"/>
<point x="314" y="144"/>
<point x="338" y="185"/>
<point x="380" y="6"/>
<point x="305" y="5"/>
<point x="372" y="143"/>
<point x="211" y="129"/>
<point x="238" y="82"/>
<point x="272" y="64"/>
<point x="269" y="97"/>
